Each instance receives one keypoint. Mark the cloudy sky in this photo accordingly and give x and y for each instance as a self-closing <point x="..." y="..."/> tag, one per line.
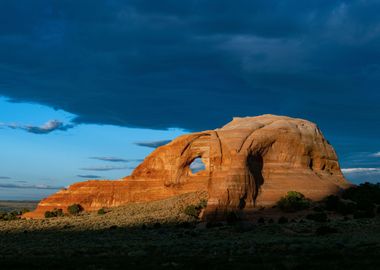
<point x="89" y="88"/>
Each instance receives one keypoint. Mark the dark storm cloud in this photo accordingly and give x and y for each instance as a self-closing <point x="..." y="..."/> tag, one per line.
<point x="114" y="159"/>
<point x="106" y="168"/>
<point x="153" y="144"/>
<point x="196" y="64"/>
<point x="89" y="176"/>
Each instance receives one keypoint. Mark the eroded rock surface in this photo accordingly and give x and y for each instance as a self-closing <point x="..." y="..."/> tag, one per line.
<point x="250" y="162"/>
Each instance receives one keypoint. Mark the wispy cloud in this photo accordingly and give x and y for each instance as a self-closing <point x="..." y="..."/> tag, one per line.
<point x="360" y="170"/>
<point x="115" y="159"/>
<point x="4" y="178"/>
<point x="376" y="154"/>
<point x="49" y="126"/>
<point x="106" y="168"/>
<point x="37" y="186"/>
<point x="89" y="176"/>
<point x="153" y="144"/>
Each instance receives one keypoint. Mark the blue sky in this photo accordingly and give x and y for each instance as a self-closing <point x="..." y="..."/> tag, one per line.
<point x="36" y="164"/>
<point x="86" y="83"/>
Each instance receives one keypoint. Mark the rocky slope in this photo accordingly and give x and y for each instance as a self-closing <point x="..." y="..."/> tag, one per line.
<point x="249" y="162"/>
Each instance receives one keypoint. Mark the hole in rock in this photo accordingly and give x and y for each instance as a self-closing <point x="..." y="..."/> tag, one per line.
<point x="197" y="165"/>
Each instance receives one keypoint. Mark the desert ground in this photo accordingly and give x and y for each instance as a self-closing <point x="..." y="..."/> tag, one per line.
<point x="159" y="235"/>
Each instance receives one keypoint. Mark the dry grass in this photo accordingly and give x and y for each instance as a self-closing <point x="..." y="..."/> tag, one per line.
<point x="135" y="214"/>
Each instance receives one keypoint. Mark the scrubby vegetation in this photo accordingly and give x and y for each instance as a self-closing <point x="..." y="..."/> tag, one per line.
<point x="74" y="209"/>
<point x="171" y="239"/>
<point x="319" y="217"/>
<point x="361" y="201"/>
<point x="54" y="213"/>
<point x="194" y="210"/>
<point x="101" y="211"/>
<point x="293" y="201"/>
<point x="13" y="215"/>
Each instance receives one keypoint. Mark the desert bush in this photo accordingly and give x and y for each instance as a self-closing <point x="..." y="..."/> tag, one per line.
<point x="318" y="217"/>
<point x="74" y="209"/>
<point x="202" y="203"/>
<point x="101" y="211"/>
<point x="368" y="213"/>
<point x="48" y="214"/>
<point x="261" y="220"/>
<point x="13" y="215"/>
<point x="25" y="210"/>
<point x="324" y="230"/>
<point x="194" y="210"/>
<point x="232" y="217"/>
<point x="282" y="220"/>
<point x="342" y="206"/>
<point x="54" y="213"/>
<point x="365" y="195"/>
<point x="331" y="202"/>
<point x="293" y="201"/>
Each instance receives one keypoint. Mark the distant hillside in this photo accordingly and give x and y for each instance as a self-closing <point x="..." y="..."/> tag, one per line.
<point x="17" y="205"/>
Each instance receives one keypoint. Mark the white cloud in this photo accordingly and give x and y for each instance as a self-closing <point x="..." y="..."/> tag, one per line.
<point x="36" y="186"/>
<point x="376" y="154"/>
<point x="361" y="170"/>
<point x="46" y="128"/>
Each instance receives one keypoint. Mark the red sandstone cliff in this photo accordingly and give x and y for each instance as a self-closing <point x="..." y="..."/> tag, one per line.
<point x="250" y="162"/>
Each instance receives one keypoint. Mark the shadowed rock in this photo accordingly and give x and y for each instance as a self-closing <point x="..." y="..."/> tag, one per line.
<point x="249" y="162"/>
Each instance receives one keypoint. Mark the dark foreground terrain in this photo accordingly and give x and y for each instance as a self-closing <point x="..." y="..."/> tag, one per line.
<point x="159" y="235"/>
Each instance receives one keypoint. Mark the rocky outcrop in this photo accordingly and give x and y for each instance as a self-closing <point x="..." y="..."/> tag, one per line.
<point x="250" y="162"/>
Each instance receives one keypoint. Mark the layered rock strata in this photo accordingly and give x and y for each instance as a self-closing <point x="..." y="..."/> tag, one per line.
<point x="250" y="162"/>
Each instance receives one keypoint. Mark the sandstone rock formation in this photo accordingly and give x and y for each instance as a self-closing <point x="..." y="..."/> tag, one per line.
<point x="249" y="162"/>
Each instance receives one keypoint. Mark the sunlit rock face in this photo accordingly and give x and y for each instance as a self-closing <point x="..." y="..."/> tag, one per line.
<point x="249" y="162"/>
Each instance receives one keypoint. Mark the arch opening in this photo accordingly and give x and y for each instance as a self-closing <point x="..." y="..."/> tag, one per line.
<point x="197" y="165"/>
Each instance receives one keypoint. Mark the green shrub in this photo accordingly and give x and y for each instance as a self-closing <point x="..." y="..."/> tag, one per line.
<point x="202" y="203"/>
<point x="261" y="220"/>
<point x="293" y="201"/>
<point x="48" y="214"/>
<point x="364" y="213"/>
<point x="101" y="211"/>
<point x="194" y="210"/>
<point x="74" y="209"/>
<point x="366" y="195"/>
<point x="25" y="210"/>
<point x="331" y="202"/>
<point x="54" y="213"/>
<point x="282" y="220"/>
<point x="13" y="215"/>
<point x="347" y="207"/>
<point x="342" y="206"/>
<point x="232" y="217"/>
<point x="324" y="230"/>
<point x="318" y="217"/>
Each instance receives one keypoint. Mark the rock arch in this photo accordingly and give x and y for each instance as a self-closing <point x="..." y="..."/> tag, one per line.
<point x="250" y="162"/>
